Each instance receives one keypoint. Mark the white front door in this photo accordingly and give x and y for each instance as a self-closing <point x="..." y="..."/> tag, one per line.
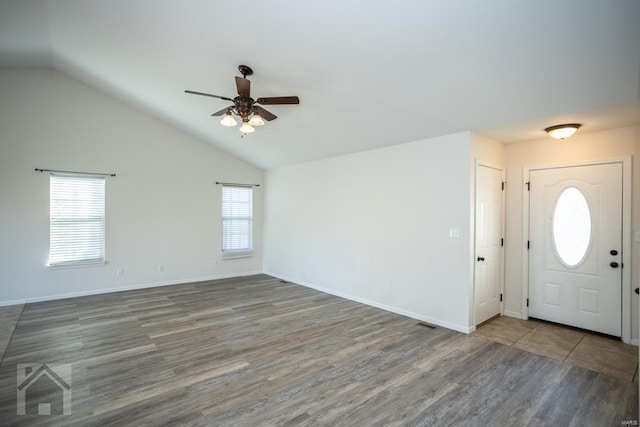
<point x="488" y="242"/>
<point x="575" y="254"/>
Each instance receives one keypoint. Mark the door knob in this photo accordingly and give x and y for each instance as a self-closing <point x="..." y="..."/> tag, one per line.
<point x="614" y="264"/>
<point x="480" y="258"/>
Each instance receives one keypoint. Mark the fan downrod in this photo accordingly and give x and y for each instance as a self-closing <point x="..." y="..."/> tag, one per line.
<point x="245" y="70"/>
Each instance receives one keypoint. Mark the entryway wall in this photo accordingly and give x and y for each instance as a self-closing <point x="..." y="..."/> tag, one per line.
<point x="584" y="146"/>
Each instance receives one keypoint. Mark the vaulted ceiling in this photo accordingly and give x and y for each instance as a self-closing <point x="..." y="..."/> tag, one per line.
<point x="368" y="73"/>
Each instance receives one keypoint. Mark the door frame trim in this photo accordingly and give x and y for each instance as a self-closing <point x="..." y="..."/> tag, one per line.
<point x="502" y="170"/>
<point x="626" y="234"/>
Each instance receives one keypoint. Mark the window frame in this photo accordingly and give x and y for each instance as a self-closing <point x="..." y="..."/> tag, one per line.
<point x="95" y="208"/>
<point x="227" y="215"/>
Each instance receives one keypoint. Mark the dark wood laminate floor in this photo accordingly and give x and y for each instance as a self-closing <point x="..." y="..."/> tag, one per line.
<point x="254" y="351"/>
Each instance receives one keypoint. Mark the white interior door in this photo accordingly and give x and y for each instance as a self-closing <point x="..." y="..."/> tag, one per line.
<point x="488" y="242"/>
<point x="575" y="254"/>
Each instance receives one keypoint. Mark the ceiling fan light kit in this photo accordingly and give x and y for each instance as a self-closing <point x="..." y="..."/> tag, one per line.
<point x="246" y="128"/>
<point x="256" y="120"/>
<point x="245" y="107"/>
<point x="563" y="131"/>
<point x="228" y="120"/>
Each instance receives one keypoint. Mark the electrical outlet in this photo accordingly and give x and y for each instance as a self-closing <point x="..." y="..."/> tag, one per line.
<point x="214" y="263"/>
<point x="454" y="232"/>
<point x="119" y="272"/>
<point x="389" y="288"/>
<point x="160" y="268"/>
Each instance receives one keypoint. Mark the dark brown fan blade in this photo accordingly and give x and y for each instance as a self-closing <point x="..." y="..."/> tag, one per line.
<point x="273" y="100"/>
<point x="243" y="85"/>
<point x="267" y="115"/>
<point x="208" y="94"/>
<point x="223" y="111"/>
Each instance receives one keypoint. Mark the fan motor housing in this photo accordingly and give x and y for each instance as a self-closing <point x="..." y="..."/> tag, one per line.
<point x="244" y="105"/>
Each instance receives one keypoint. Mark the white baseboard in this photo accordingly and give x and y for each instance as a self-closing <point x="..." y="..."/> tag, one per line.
<point x="397" y="310"/>
<point x="124" y="288"/>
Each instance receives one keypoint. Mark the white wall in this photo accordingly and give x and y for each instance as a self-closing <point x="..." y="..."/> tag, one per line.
<point x="162" y="208"/>
<point x="583" y="146"/>
<point x="374" y="227"/>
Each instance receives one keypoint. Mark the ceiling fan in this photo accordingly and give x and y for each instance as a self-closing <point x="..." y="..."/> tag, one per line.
<point x="245" y="107"/>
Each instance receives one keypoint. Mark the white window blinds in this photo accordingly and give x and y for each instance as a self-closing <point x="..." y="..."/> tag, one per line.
<point x="237" y="220"/>
<point x="76" y="221"/>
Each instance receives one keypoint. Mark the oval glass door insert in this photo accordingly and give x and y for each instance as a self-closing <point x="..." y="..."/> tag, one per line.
<point x="571" y="226"/>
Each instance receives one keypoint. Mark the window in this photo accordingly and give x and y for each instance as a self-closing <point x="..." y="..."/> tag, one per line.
<point x="76" y="220"/>
<point x="237" y="221"/>
<point x="572" y="227"/>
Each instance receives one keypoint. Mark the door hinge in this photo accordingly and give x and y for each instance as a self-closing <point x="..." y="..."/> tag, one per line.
<point x="528" y="244"/>
<point x="528" y="185"/>
<point x="500" y="297"/>
<point x="527" y="302"/>
<point x="502" y="185"/>
<point x="502" y="241"/>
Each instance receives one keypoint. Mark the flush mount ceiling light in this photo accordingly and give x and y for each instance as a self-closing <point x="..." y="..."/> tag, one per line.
<point x="562" y="131"/>
<point x="246" y="107"/>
